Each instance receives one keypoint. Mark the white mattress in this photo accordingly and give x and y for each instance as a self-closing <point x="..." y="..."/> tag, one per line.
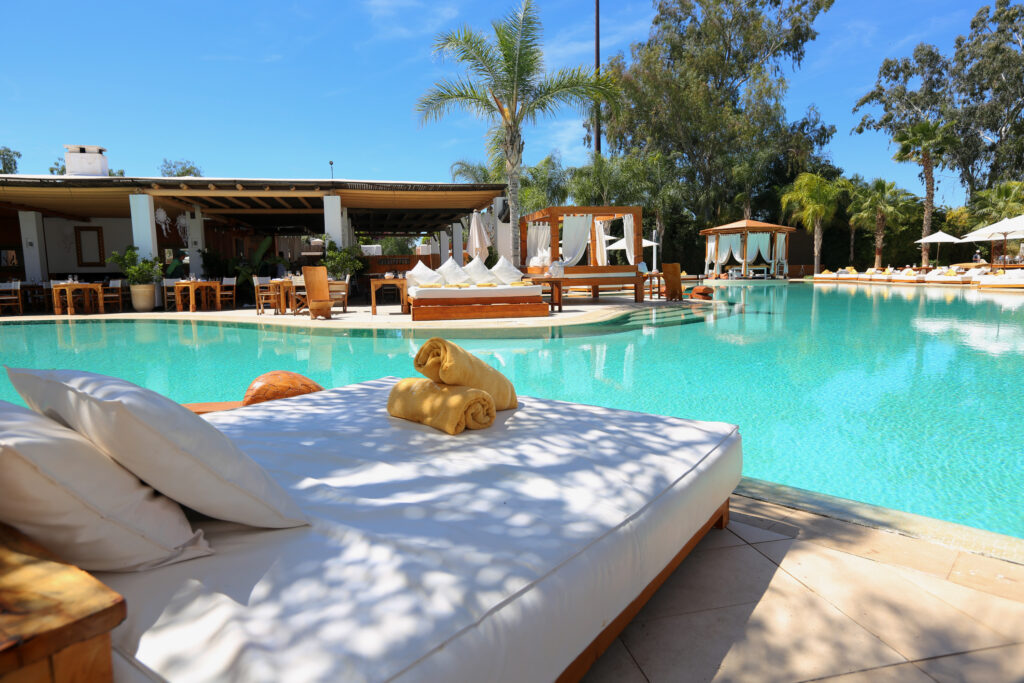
<point x="474" y="292"/>
<point x="495" y="555"/>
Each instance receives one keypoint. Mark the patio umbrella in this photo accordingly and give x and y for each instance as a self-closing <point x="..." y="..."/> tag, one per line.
<point x="621" y="244"/>
<point x="1006" y="229"/>
<point x="937" y="238"/>
<point x="478" y="240"/>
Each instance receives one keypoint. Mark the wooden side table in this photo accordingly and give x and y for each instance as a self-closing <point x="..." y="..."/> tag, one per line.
<point x="55" y="619"/>
<point x="377" y="283"/>
<point x="555" y="284"/>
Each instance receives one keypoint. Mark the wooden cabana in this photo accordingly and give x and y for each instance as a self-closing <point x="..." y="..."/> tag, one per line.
<point x="740" y="237"/>
<point x="554" y="215"/>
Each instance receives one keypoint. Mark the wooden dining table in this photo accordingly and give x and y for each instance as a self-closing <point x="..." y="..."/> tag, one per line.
<point x="68" y="289"/>
<point x="194" y="288"/>
<point x="284" y="290"/>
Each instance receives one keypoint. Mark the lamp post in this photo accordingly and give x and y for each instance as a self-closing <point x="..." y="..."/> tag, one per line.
<point x="332" y="169"/>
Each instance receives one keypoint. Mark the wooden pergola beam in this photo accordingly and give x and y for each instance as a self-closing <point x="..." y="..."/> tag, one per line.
<point x="280" y="201"/>
<point x="197" y="192"/>
<point x="268" y="212"/>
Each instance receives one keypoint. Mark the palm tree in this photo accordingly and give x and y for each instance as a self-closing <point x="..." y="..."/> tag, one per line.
<point x="884" y="203"/>
<point x="656" y="179"/>
<point x="924" y="143"/>
<point x="812" y="200"/>
<point x="544" y="184"/>
<point x="474" y="172"/>
<point x="1005" y="200"/>
<point x="850" y="186"/>
<point x="506" y="85"/>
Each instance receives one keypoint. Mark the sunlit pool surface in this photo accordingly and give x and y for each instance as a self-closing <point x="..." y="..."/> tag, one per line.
<point x="905" y="397"/>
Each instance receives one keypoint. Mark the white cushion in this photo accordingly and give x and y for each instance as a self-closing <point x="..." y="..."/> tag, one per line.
<point x="64" y="493"/>
<point x="454" y="274"/>
<point x="421" y="274"/>
<point x="542" y="259"/>
<point x="480" y="274"/>
<point x="163" y="443"/>
<point x="506" y="272"/>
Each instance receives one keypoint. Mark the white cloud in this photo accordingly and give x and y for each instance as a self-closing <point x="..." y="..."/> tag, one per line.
<point x="403" y="19"/>
<point x="563" y="135"/>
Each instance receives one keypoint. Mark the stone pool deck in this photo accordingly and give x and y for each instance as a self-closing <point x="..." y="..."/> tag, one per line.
<point x="782" y="594"/>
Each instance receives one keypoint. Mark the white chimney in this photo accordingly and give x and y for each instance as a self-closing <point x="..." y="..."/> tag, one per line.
<point x="85" y="160"/>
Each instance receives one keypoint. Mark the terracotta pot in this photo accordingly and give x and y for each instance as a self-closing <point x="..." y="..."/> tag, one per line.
<point x="143" y="297"/>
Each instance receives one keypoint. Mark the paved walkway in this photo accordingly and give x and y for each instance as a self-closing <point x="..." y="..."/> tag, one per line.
<point x="786" y="595"/>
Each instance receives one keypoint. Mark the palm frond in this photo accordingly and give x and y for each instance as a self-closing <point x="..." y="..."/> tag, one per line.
<point x="576" y="87"/>
<point x="518" y="38"/>
<point x="447" y="96"/>
<point x="472" y="49"/>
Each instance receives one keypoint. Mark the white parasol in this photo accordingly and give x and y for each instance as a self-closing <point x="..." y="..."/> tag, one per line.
<point x="937" y="238"/>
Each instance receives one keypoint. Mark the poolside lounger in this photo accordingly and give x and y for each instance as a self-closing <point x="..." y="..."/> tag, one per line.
<point x="883" y="276"/>
<point x="504" y="554"/>
<point x="1008" y="279"/>
<point x="945" y="276"/>
<point x="826" y="276"/>
<point x="848" y="274"/>
<point x="908" y="276"/>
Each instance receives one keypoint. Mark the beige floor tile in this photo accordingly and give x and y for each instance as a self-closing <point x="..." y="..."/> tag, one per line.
<point x="997" y="577"/>
<point x="615" y="666"/>
<point x="998" y="665"/>
<point x="873" y="544"/>
<point x="754" y="534"/>
<point x="878" y="597"/>
<point x="719" y="538"/>
<point x="1002" y="615"/>
<point x="713" y="578"/>
<point x="758" y="508"/>
<point x="901" y="673"/>
<point x="789" y="634"/>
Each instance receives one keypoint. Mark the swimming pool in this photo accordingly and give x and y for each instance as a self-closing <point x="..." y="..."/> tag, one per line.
<point x="905" y="397"/>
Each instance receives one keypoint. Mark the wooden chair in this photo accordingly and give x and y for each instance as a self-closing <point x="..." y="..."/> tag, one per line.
<point x="673" y="282"/>
<point x="301" y="300"/>
<point x="339" y="292"/>
<point x="318" y="292"/>
<point x="10" y="296"/>
<point x="264" y="294"/>
<point x="113" y="295"/>
<point x="227" y="291"/>
<point x="170" y="298"/>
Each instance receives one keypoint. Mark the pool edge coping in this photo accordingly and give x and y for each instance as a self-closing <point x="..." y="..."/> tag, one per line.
<point x="949" y="534"/>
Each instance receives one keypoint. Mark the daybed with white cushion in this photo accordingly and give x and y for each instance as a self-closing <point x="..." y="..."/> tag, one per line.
<point x="1009" y="279"/>
<point x="908" y="276"/>
<point x="514" y="553"/>
<point x="943" y="276"/>
<point x="456" y="293"/>
<point x="825" y="277"/>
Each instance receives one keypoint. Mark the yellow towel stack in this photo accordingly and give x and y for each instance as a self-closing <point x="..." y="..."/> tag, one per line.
<point x="460" y="392"/>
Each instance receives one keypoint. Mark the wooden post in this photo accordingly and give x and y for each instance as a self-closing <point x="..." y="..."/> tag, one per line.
<point x="593" y="240"/>
<point x="638" y="234"/>
<point x="718" y="243"/>
<point x="743" y="250"/>
<point x="787" y="249"/>
<point x="522" y="241"/>
<point x="556" y="252"/>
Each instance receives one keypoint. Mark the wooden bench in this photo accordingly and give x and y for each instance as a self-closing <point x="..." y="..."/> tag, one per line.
<point x="597" y="276"/>
<point x="55" y="619"/>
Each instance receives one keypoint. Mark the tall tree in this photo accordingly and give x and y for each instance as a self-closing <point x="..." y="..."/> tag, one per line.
<point x="850" y="188"/>
<point x="924" y="143"/>
<point x="179" y="169"/>
<point x="505" y="84"/>
<point x="978" y="94"/>
<point x="474" y="172"/>
<point x="708" y="69"/>
<point x="9" y="160"/>
<point x="885" y="204"/>
<point x="602" y="182"/>
<point x="544" y="184"/>
<point x="812" y="201"/>
<point x="1005" y="200"/>
<point x="655" y="177"/>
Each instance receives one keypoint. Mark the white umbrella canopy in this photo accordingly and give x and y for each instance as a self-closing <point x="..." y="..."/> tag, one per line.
<point x="478" y="240"/>
<point x="621" y="244"/>
<point x="937" y="237"/>
<point x="1008" y="228"/>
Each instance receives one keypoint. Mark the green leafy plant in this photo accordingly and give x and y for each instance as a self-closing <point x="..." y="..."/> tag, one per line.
<point x="144" y="272"/>
<point x="342" y="262"/>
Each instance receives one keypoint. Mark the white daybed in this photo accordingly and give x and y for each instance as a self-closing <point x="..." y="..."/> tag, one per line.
<point x="474" y="301"/>
<point x="514" y="553"/>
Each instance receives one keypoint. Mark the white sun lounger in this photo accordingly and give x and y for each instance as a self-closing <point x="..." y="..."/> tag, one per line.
<point x="502" y="554"/>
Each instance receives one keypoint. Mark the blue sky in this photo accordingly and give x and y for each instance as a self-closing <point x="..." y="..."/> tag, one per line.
<point x="276" y="89"/>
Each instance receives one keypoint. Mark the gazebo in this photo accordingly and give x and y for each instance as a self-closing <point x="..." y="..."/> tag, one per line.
<point x="745" y="240"/>
<point x="555" y="217"/>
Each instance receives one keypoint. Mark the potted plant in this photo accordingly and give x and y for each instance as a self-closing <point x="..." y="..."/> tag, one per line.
<point x="141" y="275"/>
<point x="342" y="262"/>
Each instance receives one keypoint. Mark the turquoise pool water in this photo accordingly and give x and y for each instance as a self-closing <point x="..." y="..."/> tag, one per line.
<point x="903" y="397"/>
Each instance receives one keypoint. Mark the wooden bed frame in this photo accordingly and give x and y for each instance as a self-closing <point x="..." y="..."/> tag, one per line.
<point x="466" y="308"/>
<point x="596" y="276"/>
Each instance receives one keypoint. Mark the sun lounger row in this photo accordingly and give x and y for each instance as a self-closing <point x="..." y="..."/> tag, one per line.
<point x="979" y="276"/>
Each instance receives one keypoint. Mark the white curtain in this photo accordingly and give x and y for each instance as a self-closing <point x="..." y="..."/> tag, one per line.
<point x="627" y="228"/>
<point x="758" y="242"/>
<point x="780" y="253"/>
<point x="538" y="236"/>
<point x="709" y="253"/>
<point x="727" y="245"/>
<point x="600" y="251"/>
<point x="575" y="237"/>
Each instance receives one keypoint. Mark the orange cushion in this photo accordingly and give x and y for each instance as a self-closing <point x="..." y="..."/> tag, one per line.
<point x="278" y="384"/>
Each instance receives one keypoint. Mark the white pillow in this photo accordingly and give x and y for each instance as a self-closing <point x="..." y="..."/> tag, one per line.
<point x="453" y="273"/>
<point x="64" y="493"/>
<point x="542" y="259"/>
<point x="164" y="444"/>
<point x="421" y="274"/>
<point x="506" y="272"/>
<point x="479" y="273"/>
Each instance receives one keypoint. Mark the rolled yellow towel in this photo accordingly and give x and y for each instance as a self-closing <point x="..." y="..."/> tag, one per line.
<point x="448" y="363"/>
<point x="451" y="409"/>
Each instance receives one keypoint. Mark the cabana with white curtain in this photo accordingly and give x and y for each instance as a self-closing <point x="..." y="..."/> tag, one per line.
<point x="744" y="241"/>
<point x="562" y="233"/>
